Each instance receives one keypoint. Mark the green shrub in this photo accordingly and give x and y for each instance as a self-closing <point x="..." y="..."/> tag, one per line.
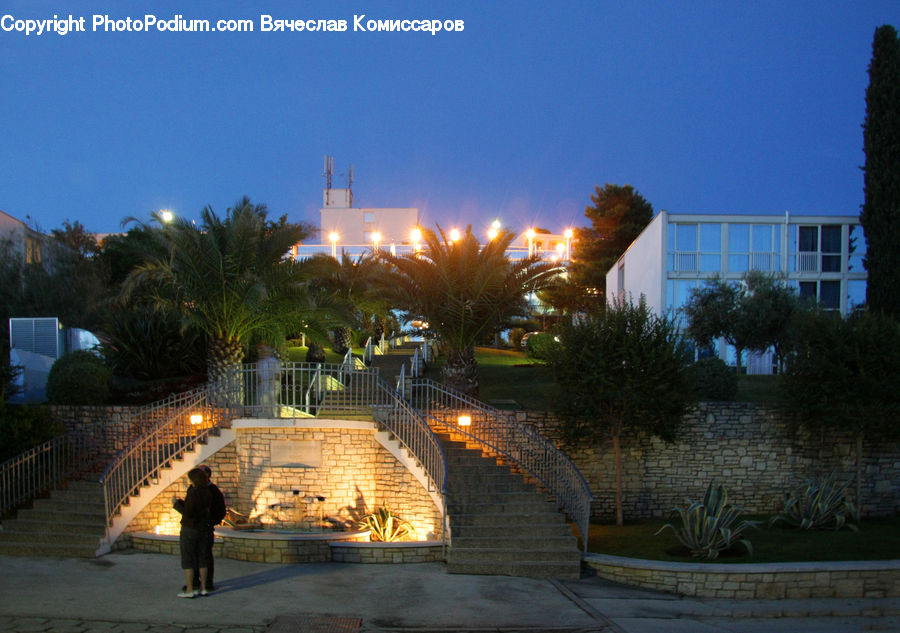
<point x="821" y="505"/>
<point x="24" y="426"/>
<point x="708" y="527"/>
<point x="541" y="345"/>
<point x="79" y="378"/>
<point x="386" y="526"/>
<point x="714" y="380"/>
<point x="147" y="344"/>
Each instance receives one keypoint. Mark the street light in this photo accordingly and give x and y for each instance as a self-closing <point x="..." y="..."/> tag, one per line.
<point x="376" y="240"/>
<point x="416" y="236"/>
<point x="454" y="235"/>
<point x="530" y="235"/>
<point x="569" y="235"/>
<point x="166" y="216"/>
<point x="333" y="236"/>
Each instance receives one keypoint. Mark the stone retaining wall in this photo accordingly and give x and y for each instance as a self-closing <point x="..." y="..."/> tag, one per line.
<point x="761" y="581"/>
<point x="747" y="447"/>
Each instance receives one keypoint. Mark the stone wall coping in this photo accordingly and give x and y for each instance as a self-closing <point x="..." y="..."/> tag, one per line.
<point x="265" y="535"/>
<point x="151" y="536"/>
<point x="302" y="423"/>
<point x="744" y="568"/>
<point x="384" y="545"/>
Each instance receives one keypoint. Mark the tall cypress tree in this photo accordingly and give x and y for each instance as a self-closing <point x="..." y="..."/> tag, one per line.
<point x="880" y="215"/>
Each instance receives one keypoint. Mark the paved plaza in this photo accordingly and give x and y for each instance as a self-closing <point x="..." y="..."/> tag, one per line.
<point x="131" y="591"/>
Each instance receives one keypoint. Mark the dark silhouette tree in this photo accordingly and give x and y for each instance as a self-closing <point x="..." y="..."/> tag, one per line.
<point x="618" y="215"/>
<point x="880" y="215"/>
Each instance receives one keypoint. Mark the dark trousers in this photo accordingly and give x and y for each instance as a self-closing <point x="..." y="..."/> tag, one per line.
<point x="211" y="567"/>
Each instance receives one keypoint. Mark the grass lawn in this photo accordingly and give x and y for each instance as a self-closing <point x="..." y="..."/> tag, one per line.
<point x="509" y="380"/>
<point x="298" y="355"/>
<point x="877" y="539"/>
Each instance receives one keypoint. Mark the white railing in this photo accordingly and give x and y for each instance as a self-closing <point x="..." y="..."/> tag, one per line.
<point x="766" y="262"/>
<point x="416" y="365"/>
<point x="172" y="427"/>
<point x="44" y="467"/>
<point x="499" y="433"/>
<point x="807" y="262"/>
<point x="687" y="262"/>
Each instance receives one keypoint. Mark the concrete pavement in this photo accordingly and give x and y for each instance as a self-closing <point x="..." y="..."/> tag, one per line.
<point x="131" y="591"/>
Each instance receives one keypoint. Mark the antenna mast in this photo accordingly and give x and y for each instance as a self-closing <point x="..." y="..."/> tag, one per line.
<point x="350" y="187"/>
<point x="328" y="173"/>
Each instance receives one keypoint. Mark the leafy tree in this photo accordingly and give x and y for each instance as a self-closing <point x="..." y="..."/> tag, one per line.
<point x="617" y="216"/>
<point x="229" y="277"/>
<point x="75" y="237"/>
<point x="753" y="314"/>
<point x="463" y="291"/>
<point x="880" y="215"/>
<point x="843" y="375"/>
<point x="622" y="369"/>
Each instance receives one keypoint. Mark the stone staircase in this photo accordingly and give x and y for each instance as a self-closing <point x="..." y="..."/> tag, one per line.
<point x="500" y="522"/>
<point x="389" y="363"/>
<point x="70" y="523"/>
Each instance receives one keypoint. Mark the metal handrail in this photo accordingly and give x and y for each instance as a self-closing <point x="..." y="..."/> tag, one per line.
<point x="173" y="426"/>
<point x="516" y="442"/>
<point x="44" y="467"/>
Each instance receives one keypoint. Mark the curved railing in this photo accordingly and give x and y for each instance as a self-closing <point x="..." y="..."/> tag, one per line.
<point x="516" y="442"/>
<point x="169" y="428"/>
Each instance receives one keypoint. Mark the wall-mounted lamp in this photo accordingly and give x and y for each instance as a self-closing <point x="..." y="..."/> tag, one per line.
<point x="196" y="418"/>
<point x="464" y="420"/>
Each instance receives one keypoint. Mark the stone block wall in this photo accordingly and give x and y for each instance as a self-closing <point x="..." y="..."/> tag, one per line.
<point x="747" y="447"/>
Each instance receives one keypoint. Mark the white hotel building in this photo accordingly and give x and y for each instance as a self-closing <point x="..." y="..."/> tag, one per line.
<point x="820" y="256"/>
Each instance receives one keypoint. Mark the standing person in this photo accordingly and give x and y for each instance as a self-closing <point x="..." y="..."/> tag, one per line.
<point x="195" y="517"/>
<point x="216" y="514"/>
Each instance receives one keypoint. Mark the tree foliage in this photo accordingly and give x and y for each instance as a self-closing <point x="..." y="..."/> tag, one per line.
<point x="618" y="215"/>
<point x="753" y="314"/>
<point x="880" y="215"/>
<point x="843" y="375"/>
<point x="463" y="290"/>
<point x="230" y="279"/>
<point x="622" y="369"/>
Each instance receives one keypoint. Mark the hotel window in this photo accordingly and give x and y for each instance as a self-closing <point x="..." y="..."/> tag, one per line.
<point x="816" y="248"/>
<point x="369" y="217"/>
<point x="695" y="247"/>
<point x="826" y="292"/>
<point x="753" y="247"/>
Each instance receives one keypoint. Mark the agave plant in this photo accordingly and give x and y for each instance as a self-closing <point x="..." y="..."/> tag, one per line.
<point x="709" y="527"/>
<point x="821" y="505"/>
<point x="386" y="526"/>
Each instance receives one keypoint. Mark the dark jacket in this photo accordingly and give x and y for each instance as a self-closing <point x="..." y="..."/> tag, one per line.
<point x="217" y="510"/>
<point x="195" y="508"/>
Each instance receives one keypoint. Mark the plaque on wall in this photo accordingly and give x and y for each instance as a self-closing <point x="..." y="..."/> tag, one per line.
<point x="296" y="453"/>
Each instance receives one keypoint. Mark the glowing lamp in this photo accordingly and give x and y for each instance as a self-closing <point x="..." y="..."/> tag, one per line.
<point x="455" y="235"/>
<point x="464" y="420"/>
<point x="196" y="418"/>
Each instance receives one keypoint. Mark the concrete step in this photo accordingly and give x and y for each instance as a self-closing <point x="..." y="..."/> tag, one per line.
<point x="52" y="514"/>
<point x="48" y="549"/>
<point x="61" y="526"/>
<point x="509" y="555"/>
<point x="11" y="535"/>
<point x="67" y="504"/>
<point x="527" y="569"/>
<point x="528" y="505"/>
<point x="497" y="518"/>
<point x="510" y="530"/>
<point x="519" y="543"/>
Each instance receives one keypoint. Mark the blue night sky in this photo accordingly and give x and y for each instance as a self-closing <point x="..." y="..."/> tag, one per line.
<point x="725" y="107"/>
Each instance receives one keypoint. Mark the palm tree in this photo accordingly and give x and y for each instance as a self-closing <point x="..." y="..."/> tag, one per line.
<point x="356" y="281"/>
<point x="230" y="278"/>
<point x="464" y="291"/>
